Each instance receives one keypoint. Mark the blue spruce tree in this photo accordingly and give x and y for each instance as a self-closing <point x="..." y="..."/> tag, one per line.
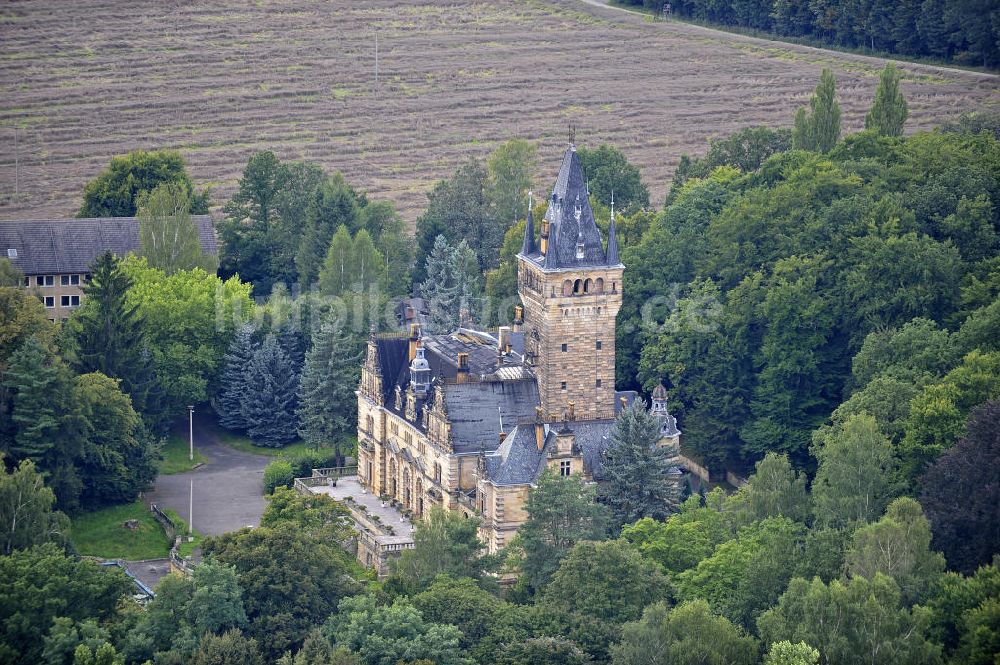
<point x="229" y="405"/>
<point x="270" y="396"/>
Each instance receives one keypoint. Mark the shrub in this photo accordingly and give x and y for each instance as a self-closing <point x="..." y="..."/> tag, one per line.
<point x="303" y="463"/>
<point x="278" y="473"/>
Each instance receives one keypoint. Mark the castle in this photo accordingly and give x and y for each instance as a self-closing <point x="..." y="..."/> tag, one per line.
<point x="469" y="420"/>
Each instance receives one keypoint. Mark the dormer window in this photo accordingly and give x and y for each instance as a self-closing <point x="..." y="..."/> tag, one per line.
<point x="11" y="253"/>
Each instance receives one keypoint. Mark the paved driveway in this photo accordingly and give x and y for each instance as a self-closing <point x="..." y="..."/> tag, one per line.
<point x="228" y="490"/>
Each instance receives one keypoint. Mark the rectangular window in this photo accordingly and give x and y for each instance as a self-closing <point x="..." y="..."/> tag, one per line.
<point x="562" y="385"/>
<point x="47" y="280"/>
<point x="598" y="345"/>
<point x="565" y="348"/>
<point x="64" y="280"/>
<point x="39" y="280"/>
<point x="74" y="301"/>
<point x="50" y="301"/>
<point x="565" y="468"/>
<point x="74" y="280"/>
<point x="27" y="281"/>
<point x="598" y="383"/>
<point x="64" y="301"/>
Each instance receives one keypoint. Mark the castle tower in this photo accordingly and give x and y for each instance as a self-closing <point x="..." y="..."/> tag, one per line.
<point x="572" y="290"/>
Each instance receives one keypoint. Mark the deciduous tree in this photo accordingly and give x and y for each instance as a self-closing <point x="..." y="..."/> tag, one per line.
<point x="888" y="113"/>
<point x="41" y="583"/>
<point x="819" y="128"/>
<point x="608" y="581"/>
<point x="444" y="543"/>
<point x="27" y="517"/>
<point x="853" y="623"/>
<point x="562" y="511"/>
<point x="168" y="238"/>
<point x="856" y="478"/>
<point x="115" y="192"/>
<point x="386" y="635"/>
<point x="687" y="635"/>
<point x="961" y="493"/>
<point x="899" y="546"/>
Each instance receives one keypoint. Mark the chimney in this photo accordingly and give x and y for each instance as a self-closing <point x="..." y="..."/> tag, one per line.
<point x="539" y="428"/>
<point x="463" y="367"/>
<point x="624" y="401"/>
<point x="503" y="435"/>
<point x="518" y="314"/>
<point x="414" y="340"/>
<point x="503" y="341"/>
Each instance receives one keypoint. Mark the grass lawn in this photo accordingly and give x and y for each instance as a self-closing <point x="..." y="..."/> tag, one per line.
<point x="175" y="456"/>
<point x="245" y="445"/>
<point x="103" y="533"/>
<point x="186" y="548"/>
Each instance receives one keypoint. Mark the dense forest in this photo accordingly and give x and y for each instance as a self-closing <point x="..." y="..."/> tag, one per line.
<point x="962" y="31"/>
<point x="824" y="311"/>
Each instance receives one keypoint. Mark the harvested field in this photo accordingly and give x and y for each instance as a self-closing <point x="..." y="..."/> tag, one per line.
<point x="83" y="81"/>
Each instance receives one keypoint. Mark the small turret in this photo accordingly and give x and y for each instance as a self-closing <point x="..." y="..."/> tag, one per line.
<point x="528" y="247"/>
<point x="669" y="434"/>
<point x="420" y="373"/>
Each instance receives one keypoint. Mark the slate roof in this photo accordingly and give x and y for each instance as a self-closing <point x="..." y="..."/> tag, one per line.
<point x="474" y="408"/>
<point x="66" y="246"/>
<point x="517" y="461"/>
<point x="571" y="222"/>
<point x="473" y="411"/>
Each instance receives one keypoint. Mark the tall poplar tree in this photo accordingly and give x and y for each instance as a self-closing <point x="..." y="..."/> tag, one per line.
<point x="641" y="478"/>
<point x="889" y="110"/>
<point x="819" y="128"/>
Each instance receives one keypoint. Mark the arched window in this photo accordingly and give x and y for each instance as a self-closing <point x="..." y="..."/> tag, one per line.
<point x="567" y="288"/>
<point x="599" y="285"/>
<point x="577" y="285"/>
<point x="586" y="286"/>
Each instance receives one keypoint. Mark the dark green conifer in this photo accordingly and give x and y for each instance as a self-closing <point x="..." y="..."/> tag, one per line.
<point x="270" y="397"/>
<point x="642" y="478"/>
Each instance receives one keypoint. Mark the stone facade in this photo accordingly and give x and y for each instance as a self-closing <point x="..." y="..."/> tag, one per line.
<point x="468" y="420"/>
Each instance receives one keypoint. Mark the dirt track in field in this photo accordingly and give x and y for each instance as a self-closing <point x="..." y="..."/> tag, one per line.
<point x="82" y="81"/>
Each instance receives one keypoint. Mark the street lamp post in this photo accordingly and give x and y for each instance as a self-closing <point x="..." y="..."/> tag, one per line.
<point x="191" y="433"/>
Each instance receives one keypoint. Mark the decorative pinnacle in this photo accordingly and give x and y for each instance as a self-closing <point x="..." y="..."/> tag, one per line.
<point x="612" y="204"/>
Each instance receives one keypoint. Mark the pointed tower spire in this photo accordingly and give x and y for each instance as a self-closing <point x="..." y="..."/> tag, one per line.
<point x="528" y="247"/>
<point x="552" y="255"/>
<point x="612" y="253"/>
